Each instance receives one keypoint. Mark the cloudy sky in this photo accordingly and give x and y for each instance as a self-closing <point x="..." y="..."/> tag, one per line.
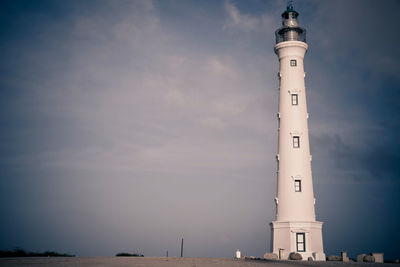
<point x="127" y="125"/>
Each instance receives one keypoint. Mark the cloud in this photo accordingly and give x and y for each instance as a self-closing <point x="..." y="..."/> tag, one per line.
<point x="218" y="68"/>
<point x="213" y="122"/>
<point x="230" y="107"/>
<point x="357" y="162"/>
<point x="245" y="22"/>
<point x="135" y="105"/>
<point x="175" y="98"/>
<point x="374" y="31"/>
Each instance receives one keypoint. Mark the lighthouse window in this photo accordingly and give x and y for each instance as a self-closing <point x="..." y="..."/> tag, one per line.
<point x="296" y="141"/>
<point x="297" y="185"/>
<point x="295" y="99"/>
<point x="293" y="62"/>
<point x="301" y="242"/>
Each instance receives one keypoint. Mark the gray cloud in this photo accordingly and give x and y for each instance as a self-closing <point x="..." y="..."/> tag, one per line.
<point x="376" y="161"/>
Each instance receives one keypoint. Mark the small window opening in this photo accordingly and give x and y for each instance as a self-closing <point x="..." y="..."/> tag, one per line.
<point x="293" y="62"/>
<point x="296" y="141"/>
<point x="295" y="99"/>
<point x="297" y="185"/>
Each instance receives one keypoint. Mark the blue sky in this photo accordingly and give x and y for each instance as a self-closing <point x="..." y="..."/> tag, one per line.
<point x="126" y="125"/>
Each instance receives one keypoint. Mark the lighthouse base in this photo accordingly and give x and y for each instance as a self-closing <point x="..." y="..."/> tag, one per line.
<point x="304" y="238"/>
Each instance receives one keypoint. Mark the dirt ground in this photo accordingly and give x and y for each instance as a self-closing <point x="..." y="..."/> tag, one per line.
<point x="169" y="262"/>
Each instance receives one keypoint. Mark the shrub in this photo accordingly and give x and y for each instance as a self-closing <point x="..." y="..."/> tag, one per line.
<point x="125" y="254"/>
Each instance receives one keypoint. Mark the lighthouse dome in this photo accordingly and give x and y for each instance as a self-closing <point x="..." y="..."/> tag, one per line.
<point x="290" y="30"/>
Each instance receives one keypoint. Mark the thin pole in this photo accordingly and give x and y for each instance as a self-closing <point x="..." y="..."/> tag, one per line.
<point x="182" y="248"/>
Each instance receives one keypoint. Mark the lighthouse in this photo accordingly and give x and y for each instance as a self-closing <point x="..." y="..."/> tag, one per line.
<point x="295" y="228"/>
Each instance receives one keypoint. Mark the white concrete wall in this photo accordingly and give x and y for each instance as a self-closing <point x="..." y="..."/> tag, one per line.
<point x="295" y="210"/>
<point x="294" y="163"/>
<point x="284" y="237"/>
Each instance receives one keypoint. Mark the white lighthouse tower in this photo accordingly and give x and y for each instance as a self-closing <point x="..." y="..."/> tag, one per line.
<point x="295" y="228"/>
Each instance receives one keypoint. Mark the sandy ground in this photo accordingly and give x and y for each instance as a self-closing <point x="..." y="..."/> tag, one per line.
<point x="169" y="262"/>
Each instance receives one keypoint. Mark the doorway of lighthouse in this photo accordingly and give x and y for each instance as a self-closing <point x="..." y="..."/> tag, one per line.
<point x="300" y="242"/>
